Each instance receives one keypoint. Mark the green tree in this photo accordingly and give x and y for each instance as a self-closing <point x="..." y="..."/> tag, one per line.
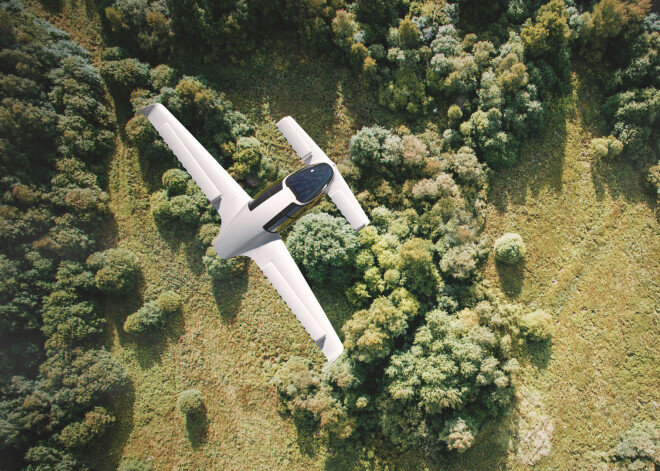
<point x="325" y="247"/>
<point x="148" y="318"/>
<point x="117" y="270"/>
<point x="190" y="403"/>
<point x="509" y="248"/>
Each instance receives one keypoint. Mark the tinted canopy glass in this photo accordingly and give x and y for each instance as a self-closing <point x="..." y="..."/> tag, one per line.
<point x="309" y="181"/>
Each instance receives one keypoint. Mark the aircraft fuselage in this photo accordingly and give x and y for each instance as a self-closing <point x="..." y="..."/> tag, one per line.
<point x="273" y="210"/>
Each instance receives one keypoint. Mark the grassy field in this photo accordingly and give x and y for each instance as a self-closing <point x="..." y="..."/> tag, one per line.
<point x="593" y="262"/>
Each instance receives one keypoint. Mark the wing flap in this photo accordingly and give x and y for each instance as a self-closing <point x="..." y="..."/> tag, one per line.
<point x="214" y="181"/>
<point x="281" y="270"/>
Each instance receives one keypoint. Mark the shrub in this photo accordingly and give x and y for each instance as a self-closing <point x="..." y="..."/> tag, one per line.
<point x="175" y="181"/>
<point x="148" y="318"/>
<point x="190" y="403"/>
<point x="169" y="301"/>
<point x="537" y="326"/>
<point x="509" y="248"/>
<point x="602" y="147"/>
<point x="325" y="247"/>
<point x="117" y="270"/>
<point x="639" y="445"/>
<point x="457" y="435"/>
<point x="220" y="268"/>
<point x="654" y="177"/>
<point x="208" y="233"/>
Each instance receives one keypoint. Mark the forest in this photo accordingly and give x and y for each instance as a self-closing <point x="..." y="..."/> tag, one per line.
<point x="500" y="311"/>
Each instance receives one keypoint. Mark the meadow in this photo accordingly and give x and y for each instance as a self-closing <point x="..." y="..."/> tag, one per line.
<point x="593" y="261"/>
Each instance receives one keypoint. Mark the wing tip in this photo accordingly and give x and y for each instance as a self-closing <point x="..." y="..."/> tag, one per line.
<point x="147" y="110"/>
<point x="333" y="355"/>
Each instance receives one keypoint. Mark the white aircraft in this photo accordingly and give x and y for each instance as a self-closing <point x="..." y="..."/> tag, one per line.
<point x="250" y="226"/>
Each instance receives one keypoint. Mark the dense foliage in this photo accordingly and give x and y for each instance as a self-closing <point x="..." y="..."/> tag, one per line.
<point x="56" y="379"/>
<point x="430" y="350"/>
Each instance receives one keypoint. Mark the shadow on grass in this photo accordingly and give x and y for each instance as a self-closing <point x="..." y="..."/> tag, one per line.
<point x="539" y="165"/>
<point x="180" y="235"/>
<point x="624" y="178"/>
<point x="228" y="293"/>
<point x="512" y="277"/>
<point x="539" y="353"/>
<point x="197" y="426"/>
<point x="106" y="452"/>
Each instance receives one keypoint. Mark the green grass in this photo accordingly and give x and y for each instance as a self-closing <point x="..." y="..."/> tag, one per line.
<point x="593" y="261"/>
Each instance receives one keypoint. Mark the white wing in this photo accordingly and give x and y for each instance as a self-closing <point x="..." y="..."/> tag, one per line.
<point x="218" y="186"/>
<point x="275" y="261"/>
<point x="338" y="190"/>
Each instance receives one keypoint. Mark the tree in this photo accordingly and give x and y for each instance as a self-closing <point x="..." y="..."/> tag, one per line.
<point x="416" y="266"/>
<point x="537" y="326"/>
<point x="509" y="248"/>
<point x="125" y="74"/>
<point x="190" y="403"/>
<point x="325" y="247"/>
<point x="117" y="270"/>
<point x="148" y="318"/>
<point x="370" y="333"/>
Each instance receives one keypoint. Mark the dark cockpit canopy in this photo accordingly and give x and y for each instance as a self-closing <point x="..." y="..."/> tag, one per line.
<point x="309" y="182"/>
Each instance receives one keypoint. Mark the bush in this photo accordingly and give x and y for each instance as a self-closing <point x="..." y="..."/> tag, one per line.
<point x="654" y="177"/>
<point x="325" y="247"/>
<point x="220" y="268"/>
<point x="175" y="181"/>
<point x="148" y="318"/>
<point x="190" y="403"/>
<point x="169" y="301"/>
<point x="509" y="248"/>
<point x="602" y="147"/>
<point x="117" y="270"/>
<point x="639" y="446"/>
<point x="537" y="326"/>
<point x="208" y="233"/>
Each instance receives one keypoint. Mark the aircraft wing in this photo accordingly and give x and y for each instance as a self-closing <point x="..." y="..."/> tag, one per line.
<point x="338" y="190"/>
<point x="277" y="264"/>
<point x="219" y="187"/>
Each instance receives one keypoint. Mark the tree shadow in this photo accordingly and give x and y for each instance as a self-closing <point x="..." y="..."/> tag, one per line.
<point x="151" y="345"/>
<point x="538" y="353"/>
<point x="621" y="178"/>
<point x="539" y="166"/>
<point x="111" y="444"/>
<point x="183" y="236"/>
<point x="491" y="445"/>
<point x="197" y="426"/>
<point x="512" y="277"/>
<point x="228" y="294"/>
